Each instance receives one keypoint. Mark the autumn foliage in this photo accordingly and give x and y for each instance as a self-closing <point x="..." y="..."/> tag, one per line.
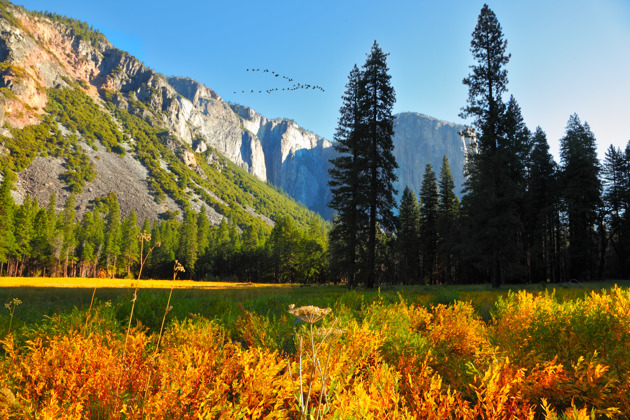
<point x="536" y="357"/>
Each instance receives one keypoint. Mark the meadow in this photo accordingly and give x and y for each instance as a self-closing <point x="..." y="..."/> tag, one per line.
<point x="224" y="351"/>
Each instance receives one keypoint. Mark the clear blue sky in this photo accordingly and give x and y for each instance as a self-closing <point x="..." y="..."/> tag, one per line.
<point x="568" y="56"/>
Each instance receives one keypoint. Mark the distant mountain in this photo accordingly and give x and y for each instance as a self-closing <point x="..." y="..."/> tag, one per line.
<point x="420" y="139"/>
<point x="78" y="114"/>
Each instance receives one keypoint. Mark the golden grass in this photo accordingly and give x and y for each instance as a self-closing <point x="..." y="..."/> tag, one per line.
<point x="77" y="282"/>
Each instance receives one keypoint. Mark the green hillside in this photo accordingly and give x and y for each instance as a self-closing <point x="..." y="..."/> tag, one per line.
<point x="112" y="128"/>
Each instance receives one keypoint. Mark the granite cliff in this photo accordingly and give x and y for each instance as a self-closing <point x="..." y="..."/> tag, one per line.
<point x="420" y="139"/>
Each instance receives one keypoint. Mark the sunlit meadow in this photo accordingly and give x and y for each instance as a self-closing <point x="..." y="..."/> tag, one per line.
<point x="313" y="352"/>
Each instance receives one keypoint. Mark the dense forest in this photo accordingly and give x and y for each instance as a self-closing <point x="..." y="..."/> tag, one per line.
<point x="36" y="241"/>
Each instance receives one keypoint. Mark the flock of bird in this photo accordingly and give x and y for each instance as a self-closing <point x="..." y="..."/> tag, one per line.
<point x="295" y="86"/>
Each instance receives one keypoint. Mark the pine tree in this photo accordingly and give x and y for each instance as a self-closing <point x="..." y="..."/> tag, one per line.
<point x="85" y="249"/>
<point x="363" y="174"/>
<point x="614" y="201"/>
<point x="429" y="202"/>
<point x="581" y="189"/>
<point x="448" y="221"/>
<point x="346" y="181"/>
<point x="68" y="232"/>
<point x="112" y="235"/>
<point x="311" y="252"/>
<point x="129" y="244"/>
<point x="24" y="220"/>
<point x="203" y="232"/>
<point x="541" y="221"/>
<point x="408" y="237"/>
<point x="282" y="243"/>
<point x="376" y="101"/>
<point x="489" y="205"/>
<point x="7" y="209"/>
<point x="40" y="244"/>
<point x="188" y="248"/>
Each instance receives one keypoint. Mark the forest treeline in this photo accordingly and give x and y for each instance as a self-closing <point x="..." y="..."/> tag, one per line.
<point x="37" y="241"/>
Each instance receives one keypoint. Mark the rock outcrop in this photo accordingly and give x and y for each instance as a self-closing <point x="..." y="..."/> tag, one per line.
<point x="420" y="139"/>
<point x="296" y="160"/>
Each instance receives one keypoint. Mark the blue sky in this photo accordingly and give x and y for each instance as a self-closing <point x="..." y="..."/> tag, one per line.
<point x="568" y="56"/>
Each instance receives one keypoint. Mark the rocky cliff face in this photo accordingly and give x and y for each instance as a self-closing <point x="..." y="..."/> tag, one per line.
<point x="296" y="160"/>
<point x="420" y="139"/>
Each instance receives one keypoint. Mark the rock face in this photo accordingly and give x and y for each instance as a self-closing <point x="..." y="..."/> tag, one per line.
<point x="420" y="139"/>
<point x="296" y="160"/>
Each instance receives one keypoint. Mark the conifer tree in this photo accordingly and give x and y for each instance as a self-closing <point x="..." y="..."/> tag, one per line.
<point x="112" y="234"/>
<point x="363" y="174"/>
<point x="67" y="227"/>
<point x="203" y="232"/>
<point x="541" y="211"/>
<point x="448" y="221"/>
<point x="581" y="188"/>
<point x="346" y="181"/>
<point x="129" y="245"/>
<point x="146" y="226"/>
<point x="408" y="237"/>
<point x="429" y="203"/>
<point x="85" y="249"/>
<point x="376" y="102"/>
<point x="7" y="208"/>
<point x="283" y="240"/>
<point x="311" y="250"/>
<point x="40" y="244"/>
<point x="188" y="248"/>
<point x="24" y="220"/>
<point x="154" y="261"/>
<point x="488" y="203"/>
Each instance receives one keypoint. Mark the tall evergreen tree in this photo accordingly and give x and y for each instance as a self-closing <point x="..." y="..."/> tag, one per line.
<point x="541" y="222"/>
<point x="429" y="202"/>
<point x="311" y="252"/>
<point x="448" y="222"/>
<point x="346" y="181"/>
<point x="581" y="189"/>
<point x="614" y="199"/>
<point x="40" y="244"/>
<point x="363" y="174"/>
<point x="408" y="237"/>
<point x="68" y="230"/>
<point x="112" y="234"/>
<point x="24" y="220"/>
<point x="283" y="241"/>
<point x="129" y="244"/>
<point x="203" y="232"/>
<point x="376" y="102"/>
<point x="7" y="208"/>
<point x="188" y="248"/>
<point x="86" y="251"/>
<point x="489" y="204"/>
